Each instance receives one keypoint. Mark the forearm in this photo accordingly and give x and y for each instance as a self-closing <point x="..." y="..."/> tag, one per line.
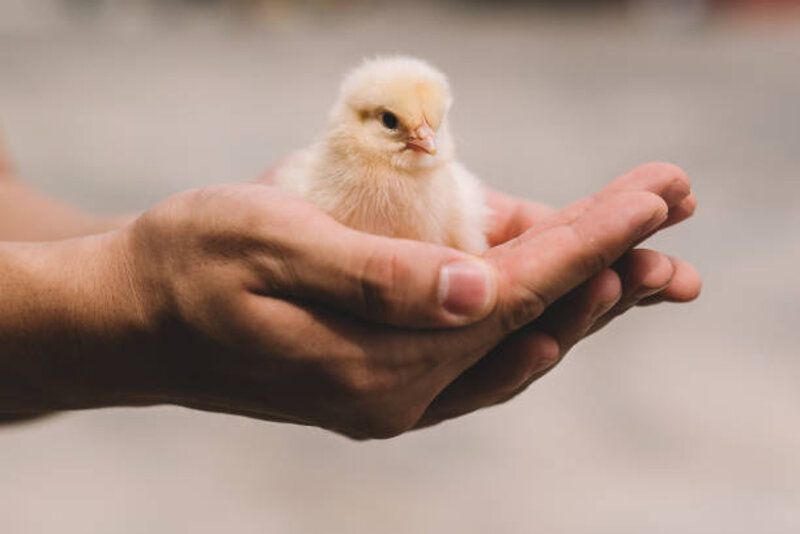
<point x="69" y="327"/>
<point x="27" y="215"/>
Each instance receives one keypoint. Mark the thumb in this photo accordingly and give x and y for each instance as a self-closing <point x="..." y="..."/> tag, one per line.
<point x="390" y="281"/>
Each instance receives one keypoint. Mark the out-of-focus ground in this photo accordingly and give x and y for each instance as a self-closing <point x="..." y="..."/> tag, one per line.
<point x="675" y="419"/>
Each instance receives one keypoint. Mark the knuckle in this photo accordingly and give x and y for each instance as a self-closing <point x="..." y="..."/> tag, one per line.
<point x="359" y="383"/>
<point x="593" y="261"/>
<point x="690" y="205"/>
<point x="592" y="257"/>
<point x="367" y="386"/>
<point x="376" y="411"/>
<point x="525" y="308"/>
<point x="386" y="424"/>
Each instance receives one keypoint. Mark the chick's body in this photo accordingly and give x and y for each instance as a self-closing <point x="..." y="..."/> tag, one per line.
<point x="387" y="165"/>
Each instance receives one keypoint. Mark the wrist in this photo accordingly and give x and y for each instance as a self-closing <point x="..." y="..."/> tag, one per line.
<point x="75" y="333"/>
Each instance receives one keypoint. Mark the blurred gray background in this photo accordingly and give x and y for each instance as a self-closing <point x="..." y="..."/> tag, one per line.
<point x="675" y="419"/>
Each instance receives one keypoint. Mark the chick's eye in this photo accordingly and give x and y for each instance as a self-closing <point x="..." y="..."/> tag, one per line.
<point x="389" y="120"/>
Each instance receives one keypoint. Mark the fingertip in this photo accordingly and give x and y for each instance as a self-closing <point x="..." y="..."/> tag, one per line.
<point x="467" y="290"/>
<point x="542" y="351"/>
<point x="684" y="210"/>
<point x="644" y="273"/>
<point x="644" y="209"/>
<point x="662" y="169"/>
<point x="657" y="271"/>
<point x="689" y="205"/>
<point x="675" y="192"/>
<point x="610" y="283"/>
<point x="686" y="284"/>
<point x="604" y="291"/>
<point x="664" y="179"/>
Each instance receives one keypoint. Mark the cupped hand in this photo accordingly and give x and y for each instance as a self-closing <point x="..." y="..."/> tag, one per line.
<point x="256" y="303"/>
<point x="639" y="277"/>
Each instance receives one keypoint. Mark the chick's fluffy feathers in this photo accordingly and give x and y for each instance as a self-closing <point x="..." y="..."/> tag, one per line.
<point x="364" y="175"/>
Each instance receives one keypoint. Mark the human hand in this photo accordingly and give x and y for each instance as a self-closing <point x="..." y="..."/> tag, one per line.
<point x="217" y="299"/>
<point x="266" y="336"/>
<point x="639" y="277"/>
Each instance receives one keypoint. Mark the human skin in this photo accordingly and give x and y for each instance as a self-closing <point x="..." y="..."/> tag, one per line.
<point x="27" y="215"/>
<point x="219" y="299"/>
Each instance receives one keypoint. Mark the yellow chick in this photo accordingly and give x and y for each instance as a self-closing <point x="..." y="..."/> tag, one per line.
<point x="386" y="164"/>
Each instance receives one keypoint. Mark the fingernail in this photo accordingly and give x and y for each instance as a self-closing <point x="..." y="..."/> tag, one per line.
<point x="465" y="287"/>
<point x="675" y="191"/>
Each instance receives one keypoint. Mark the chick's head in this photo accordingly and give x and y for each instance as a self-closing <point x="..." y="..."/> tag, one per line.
<point x="394" y="110"/>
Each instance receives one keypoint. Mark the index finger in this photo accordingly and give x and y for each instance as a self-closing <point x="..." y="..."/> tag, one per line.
<point x="513" y="216"/>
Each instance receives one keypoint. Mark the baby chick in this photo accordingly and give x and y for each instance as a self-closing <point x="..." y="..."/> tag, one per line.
<point x="386" y="164"/>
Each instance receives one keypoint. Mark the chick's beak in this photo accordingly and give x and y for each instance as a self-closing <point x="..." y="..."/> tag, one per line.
<point x="423" y="139"/>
